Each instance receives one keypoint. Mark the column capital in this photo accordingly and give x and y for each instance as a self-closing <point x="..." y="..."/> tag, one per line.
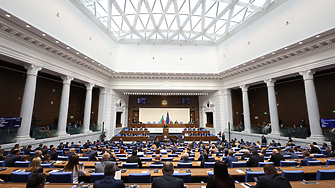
<point x="308" y="74"/>
<point x="226" y="91"/>
<point x="32" y="69"/>
<point x="244" y="88"/>
<point x="66" y="79"/>
<point x="270" y="82"/>
<point x="104" y="90"/>
<point x="89" y="86"/>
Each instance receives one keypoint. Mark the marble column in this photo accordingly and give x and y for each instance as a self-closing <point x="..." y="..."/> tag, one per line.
<point x="88" y="103"/>
<point x="102" y="107"/>
<point x="64" y="105"/>
<point x="273" y="106"/>
<point x="228" y="109"/>
<point x="312" y="104"/>
<point x="27" y="106"/>
<point x="246" y="110"/>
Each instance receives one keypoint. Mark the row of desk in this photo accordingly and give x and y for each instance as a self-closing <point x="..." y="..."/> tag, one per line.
<point x="294" y="184"/>
<point x="195" y="172"/>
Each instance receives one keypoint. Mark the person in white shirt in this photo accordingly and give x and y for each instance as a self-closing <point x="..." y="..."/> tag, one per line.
<point x="74" y="166"/>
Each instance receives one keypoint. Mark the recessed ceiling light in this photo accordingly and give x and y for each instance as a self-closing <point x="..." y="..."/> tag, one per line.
<point x="92" y="61"/>
<point x="317" y="36"/>
<point x="68" y="48"/>
<point x="28" y="26"/>
<point x="85" y="57"/>
<point x="253" y="61"/>
<point x="244" y="64"/>
<point x="44" y="34"/>
<point x="77" y="52"/>
<point x="262" y="57"/>
<point x="285" y="48"/>
<point x="99" y="64"/>
<point x="300" y="42"/>
<point x="273" y="53"/>
<point x="57" y="41"/>
<point x="8" y="15"/>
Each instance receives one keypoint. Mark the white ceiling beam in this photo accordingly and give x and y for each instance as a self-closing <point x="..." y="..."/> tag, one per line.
<point x="229" y="19"/>
<point x="203" y="7"/>
<point x="185" y="37"/>
<point x="267" y="3"/>
<point x="109" y="18"/>
<point x="191" y="13"/>
<point x="124" y="17"/>
<point x="86" y="1"/>
<point x="172" y="36"/>
<point x="124" y="35"/>
<point x="176" y="12"/>
<point x="150" y="35"/>
<point x="163" y="36"/>
<point x="164" y="14"/>
<point x="139" y="4"/>
<point x="242" y="4"/>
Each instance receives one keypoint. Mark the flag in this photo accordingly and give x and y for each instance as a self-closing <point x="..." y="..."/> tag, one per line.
<point x="162" y="119"/>
<point x="167" y="118"/>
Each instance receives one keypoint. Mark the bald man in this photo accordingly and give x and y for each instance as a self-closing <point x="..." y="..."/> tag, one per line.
<point x="276" y="158"/>
<point x="99" y="167"/>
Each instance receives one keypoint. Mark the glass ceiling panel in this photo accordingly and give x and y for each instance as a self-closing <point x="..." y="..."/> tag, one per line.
<point x="126" y="10"/>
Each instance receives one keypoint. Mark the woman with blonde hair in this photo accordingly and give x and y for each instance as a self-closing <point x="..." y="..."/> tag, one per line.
<point x="35" y="166"/>
<point x="74" y="166"/>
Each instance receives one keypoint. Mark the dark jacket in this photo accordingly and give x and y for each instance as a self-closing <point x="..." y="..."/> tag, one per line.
<point x="26" y="151"/>
<point x="32" y="157"/>
<point x="210" y="182"/>
<point x="229" y="160"/>
<point x="254" y="160"/>
<point x="134" y="159"/>
<point x="107" y="182"/>
<point x="11" y="159"/>
<point x="39" y="170"/>
<point x="167" y="181"/>
<point x="90" y="156"/>
<point x="304" y="161"/>
<point x="203" y="162"/>
<point x="53" y="155"/>
<point x="273" y="181"/>
<point x="276" y="159"/>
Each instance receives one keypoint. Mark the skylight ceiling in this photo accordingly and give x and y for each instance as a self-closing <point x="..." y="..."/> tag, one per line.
<point x="191" y="21"/>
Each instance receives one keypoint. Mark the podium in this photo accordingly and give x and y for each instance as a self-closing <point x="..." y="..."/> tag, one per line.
<point x="165" y="133"/>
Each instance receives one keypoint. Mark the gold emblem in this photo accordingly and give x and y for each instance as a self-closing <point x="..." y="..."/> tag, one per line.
<point x="164" y="102"/>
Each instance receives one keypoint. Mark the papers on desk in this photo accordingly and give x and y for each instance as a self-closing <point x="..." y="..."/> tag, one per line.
<point x="54" y="171"/>
<point x="57" y="162"/>
<point x="209" y="172"/>
<point x="244" y="185"/>
<point x="203" y="186"/>
<point x="144" y="171"/>
<point x="240" y="171"/>
<point x="118" y="175"/>
<point x="20" y="170"/>
<point x="199" y="162"/>
<point x="176" y="172"/>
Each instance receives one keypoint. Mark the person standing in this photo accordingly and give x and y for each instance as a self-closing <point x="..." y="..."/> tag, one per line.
<point x="263" y="140"/>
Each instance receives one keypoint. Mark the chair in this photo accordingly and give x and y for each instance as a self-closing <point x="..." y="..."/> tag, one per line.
<point x="319" y="155"/>
<point x="184" y="165"/>
<point x="20" y="177"/>
<point x="121" y="155"/>
<point x="288" y="163"/>
<point x="2" y="163"/>
<point x="181" y="122"/>
<point x="212" y="173"/>
<point x="293" y="175"/>
<point x="184" y="176"/>
<point x="123" y="158"/>
<point x="314" y="163"/>
<point x="130" y="165"/>
<point x="47" y="165"/>
<point x="167" y="159"/>
<point x="261" y="164"/>
<point x="139" y="177"/>
<point x="172" y="155"/>
<point x="191" y="158"/>
<point x="31" y="153"/>
<point x="238" y="164"/>
<point x="238" y="154"/>
<point x="62" y="158"/>
<point x="96" y="176"/>
<point x="22" y="163"/>
<point x="146" y="159"/>
<point x="60" y="152"/>
<point x="155" y="165"/>
<point x="209" y="164"/>
<point x="287" y="156"/>
<point x="84" y="158"/>
<point x="249" y="176"/>
<point x="61" y="177"/>
<point x="325" y="175"/>
<point x="330" y="162"/>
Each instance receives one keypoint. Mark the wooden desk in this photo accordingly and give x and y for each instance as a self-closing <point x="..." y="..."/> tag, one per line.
<point x="135" y="132"/>
<point x="298" y="184"/>
<point x="196" y="132"/>
<point x="162" y="125"/>
<point x="198" y="138"/>
<point x="131" y="138"/>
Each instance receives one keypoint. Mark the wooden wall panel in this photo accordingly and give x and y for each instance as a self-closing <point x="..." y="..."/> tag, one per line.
<point x="156" y="102"/>
<point x="258" y="101"/>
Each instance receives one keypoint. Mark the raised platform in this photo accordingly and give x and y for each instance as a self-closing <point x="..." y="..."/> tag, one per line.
<point x="162" y="125"/>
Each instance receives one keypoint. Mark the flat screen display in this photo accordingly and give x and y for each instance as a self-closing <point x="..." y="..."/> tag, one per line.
<point x="185" y="101"/>
<point x="327" y="123"/>
<point x="10" y="122"/>
<point x="141" y="100"/>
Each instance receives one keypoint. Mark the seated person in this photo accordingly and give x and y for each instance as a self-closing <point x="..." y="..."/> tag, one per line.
<point x="176" y="122"/>
<point x="35" y="166"/>
<point x="74" y="166"/>
<point x="12" y="158"/>
<point x="221" y="178"/>
<point x="134" y="158"/>
<point x="272" y="179"/>
<point x="330" y="152"/>
<point x="230" y="158"/>
<point x="254" y="159"/>
<point x="185" y="159"/>
<point x="276" y="157"/>
<point x="157" y="160"/>
<point x="305" y="154"/>
<point x="108" y="180"/>
<point x="37" y="180"/>
<point x="167" y="180"/>
<point x="99" y="167"/>
<point x="206" y="159"/>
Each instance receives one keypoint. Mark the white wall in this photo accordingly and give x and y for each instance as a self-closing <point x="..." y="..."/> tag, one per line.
<point x="306" y="18"/>
<point x="71" y="27"/>
<point x="139" y="58"/>
<point x="155" y="114"/>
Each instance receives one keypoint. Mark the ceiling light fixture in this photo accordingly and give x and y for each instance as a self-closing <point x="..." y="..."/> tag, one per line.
<point x="317" y="36"/>
<point x="300" y="42"/>
<point x="68" y="48"/>
<point x="77" y="52"/>
<point x="28" y="26"/>
<point x="44" y="34"/>
<point x="57" y="41"/>
<point x="8" y="15"/>
<point x="285" y="48"/>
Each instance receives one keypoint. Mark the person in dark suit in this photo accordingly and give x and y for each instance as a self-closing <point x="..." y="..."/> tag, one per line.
<point x="109" y="181"/>
<point x="157" y="160"/>
<point x="185" y="159"/>
<point x="27" y="150"/>
<point x="40" y="147"/>
<point x="44" y="150"/>
<point x="314" y="149"/>
<point x="305" y="154"/>
<point x="38" y="153"/>
<point x="37" y="180"/>
<point x="53" y="154"/>
<point x="254" y="159"/>
<point x="263" y="140"/>
<point x="206" y="159"/>
<point x="12" y="158"/>
<point x="272" y="179"/>
<point x="230" y="158"/>
<point x="134" y="158"/>
<point x="157" y="143"/>
<point x="89" y="154"/>
<point x="221" y="178"/>
<point x="167" y="180"/>
<point x="276" y="157"/>
<point x="16" y="146"/>
<point x="330" y="152"/>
